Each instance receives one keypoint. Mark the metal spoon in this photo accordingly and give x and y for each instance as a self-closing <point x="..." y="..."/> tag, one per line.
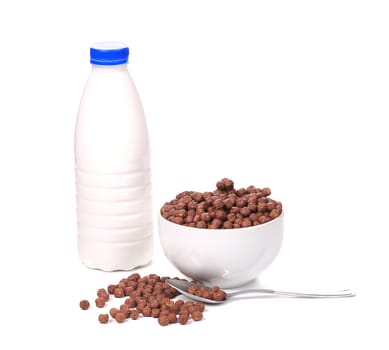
<point x="182" y="287"/>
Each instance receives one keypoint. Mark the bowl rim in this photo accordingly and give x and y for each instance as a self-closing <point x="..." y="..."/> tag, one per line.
<point x="226" y="230"/>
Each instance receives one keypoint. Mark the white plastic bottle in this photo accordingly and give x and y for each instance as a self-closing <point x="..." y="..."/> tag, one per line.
<point x="112" y="158"/>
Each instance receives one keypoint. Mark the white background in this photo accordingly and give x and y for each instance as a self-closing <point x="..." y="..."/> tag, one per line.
<point x="287" y="94"/>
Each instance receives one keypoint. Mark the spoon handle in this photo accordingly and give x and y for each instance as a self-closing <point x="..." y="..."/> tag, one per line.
<point x="334" y="294"/>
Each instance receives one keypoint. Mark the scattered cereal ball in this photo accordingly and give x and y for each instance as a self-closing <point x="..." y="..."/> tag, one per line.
<point x="113" y="311"/>
<point x="184" y="311"/>
<point x="134" y="277"/>
<point x="197" y="315"/>
<point x="154" y="303"/>
<point x="172" y="317"/>
<point x="163" y="312"/>
<point x="120" y="317"/>
<point x="200" y="306"/>
<point x="103" y="318"/>
<point x="124" y="308"/>
<point x="100" y="302"/>
<point x="118" y="292"/>
<point x="111" y="288"/>
<point x="183" y="318"/>
<point x="84" y="304"/>
<point x="176" y="308"/>
<point x="163" y="320"/>
<point x="140" y="304"/>
<point x="155" y="312"/>
<point x="134" y="314"/>
<point x="101" y="292"/>
<point x="146" y="311"/>
<point x="128" y="290"/>
<point x="122" y="284"/>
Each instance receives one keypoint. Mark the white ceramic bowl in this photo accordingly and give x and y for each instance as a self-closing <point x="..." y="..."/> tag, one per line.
<point x="226" y="257"/>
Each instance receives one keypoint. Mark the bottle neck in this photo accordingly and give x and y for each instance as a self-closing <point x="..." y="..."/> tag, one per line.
<point x="116" y="67"/>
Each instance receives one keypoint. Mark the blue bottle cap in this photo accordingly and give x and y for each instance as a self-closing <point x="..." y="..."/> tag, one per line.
<point x="109" y="53"/>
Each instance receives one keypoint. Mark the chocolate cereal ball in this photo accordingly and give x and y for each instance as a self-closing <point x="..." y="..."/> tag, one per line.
<point x="149" y="296"/>
<point x="84" y="304"/>
<point x="197" y="315"/>
<point x="224" y="208"/>
<point x="103" y="318"/>
<point x="100" y="302"/>
<point x="120" y="317"/>
<point x="163" y="320"/>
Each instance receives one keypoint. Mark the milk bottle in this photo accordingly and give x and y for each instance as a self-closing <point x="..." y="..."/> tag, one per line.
<point x="112" y="164"/>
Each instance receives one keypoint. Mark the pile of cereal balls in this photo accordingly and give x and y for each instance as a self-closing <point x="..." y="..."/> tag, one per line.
<point x="148" y="296"/>
<point x="224" y="208"/>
